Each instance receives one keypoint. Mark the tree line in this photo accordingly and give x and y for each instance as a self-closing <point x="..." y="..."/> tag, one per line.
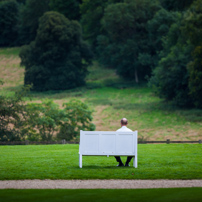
<point x="158" y="41"/>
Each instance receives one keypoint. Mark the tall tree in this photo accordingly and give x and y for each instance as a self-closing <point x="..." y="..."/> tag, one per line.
<point x="170" y="77"/>
<point x="92" y="12"/>
<point x="21" y="1"/>
<point x="193" y="30"/>
<point x="9" y="11"/>
<point x="178" y="75"/>
<point x="29" y="19"/>
<point x="58" y="57"/>
<point x="125" y="46"/>
<point x="177" y="5"/>
<point x="158" y="28"/>
<point x="69" y="9"/>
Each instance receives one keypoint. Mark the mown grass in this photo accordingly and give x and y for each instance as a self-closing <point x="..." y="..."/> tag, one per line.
<point x="155" y="161"/>
<point x="140" y="195"/>
<point x="112" y="99"/>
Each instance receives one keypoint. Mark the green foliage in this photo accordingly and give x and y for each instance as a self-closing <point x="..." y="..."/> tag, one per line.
<point x="193" y="30"/>
<point x="170" y="77"/>
<point x="79" y="118"/>
<point x="58" y="58"/>
<point x="29" y="19"/>
<point x="178" y="76"/>
<point x="9" y="11"/>
<point x="41" y="121"/>
<point x="13" y="116"/>
<point x="92" y="12"/>
<point x="195" y="78"/>
<point x="69" y="9"/>
<point x="125" y="46"/>
<point x="46" y="120"/>
<point x="158" y="28"/>
<point x="176" y="4"/>
<point x="21" y="1"/>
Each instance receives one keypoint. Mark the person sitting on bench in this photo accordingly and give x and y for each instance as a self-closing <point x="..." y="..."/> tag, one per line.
<point x="123" y="128"/>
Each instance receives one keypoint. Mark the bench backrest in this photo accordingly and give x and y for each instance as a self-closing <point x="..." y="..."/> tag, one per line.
<point x="108" y="143"/>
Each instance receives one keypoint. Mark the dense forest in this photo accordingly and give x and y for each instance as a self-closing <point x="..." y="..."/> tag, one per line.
<point x="155" y="41"/>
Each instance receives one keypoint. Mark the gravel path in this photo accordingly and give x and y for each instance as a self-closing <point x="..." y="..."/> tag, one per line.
<point x="97" y="184"/>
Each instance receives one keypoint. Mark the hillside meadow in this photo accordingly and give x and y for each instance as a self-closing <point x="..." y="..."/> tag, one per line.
<point x="111" y="98"/>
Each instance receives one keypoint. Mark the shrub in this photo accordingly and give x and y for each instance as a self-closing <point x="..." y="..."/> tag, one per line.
<point x="13" y="117"/>
<point x="79" y="117"/>
<point x="46" y="119"/>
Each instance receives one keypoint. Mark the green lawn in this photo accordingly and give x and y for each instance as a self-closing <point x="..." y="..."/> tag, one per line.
<point x="128" y="195"/>
<point x="155" y="161"/>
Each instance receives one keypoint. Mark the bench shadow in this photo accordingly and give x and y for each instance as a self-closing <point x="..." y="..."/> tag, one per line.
<point x="92" y="167"/>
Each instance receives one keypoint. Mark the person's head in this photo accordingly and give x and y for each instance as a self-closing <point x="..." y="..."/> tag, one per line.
<point x="124" y="122"/>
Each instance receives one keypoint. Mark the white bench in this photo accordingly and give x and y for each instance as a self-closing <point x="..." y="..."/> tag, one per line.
<point x="105" y="143"/>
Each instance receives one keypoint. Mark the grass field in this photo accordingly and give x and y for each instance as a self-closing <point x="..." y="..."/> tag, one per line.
<point x="138" y="195"/>
<point x="112" y="98"/>
<point x="155" y="161"/>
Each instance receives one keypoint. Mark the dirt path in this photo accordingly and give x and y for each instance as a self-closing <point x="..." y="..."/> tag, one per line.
<point x="97" y="184"/>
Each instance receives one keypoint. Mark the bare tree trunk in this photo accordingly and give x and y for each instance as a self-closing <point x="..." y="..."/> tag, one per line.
<point x="136" y="76"/>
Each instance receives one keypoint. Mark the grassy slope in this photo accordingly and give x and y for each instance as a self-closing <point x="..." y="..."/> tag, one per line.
<point x="11" y="72"/>
<point x="112" y="99"/>
<point x="155" y="161"/>
<point x="140" y="195"/>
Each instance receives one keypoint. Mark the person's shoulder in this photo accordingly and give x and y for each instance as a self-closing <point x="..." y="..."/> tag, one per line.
<point x="129" y="130"/>
<point x="124" y="129"/>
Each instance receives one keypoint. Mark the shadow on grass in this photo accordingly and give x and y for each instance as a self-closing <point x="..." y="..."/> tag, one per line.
<point x="93" y="167"/>
<point x="51" y="94"/>
<point x="105" y="101"/>
<point x="108" y="195"/>
<point x="90" y="167"/>
<point x="56" y="94"/>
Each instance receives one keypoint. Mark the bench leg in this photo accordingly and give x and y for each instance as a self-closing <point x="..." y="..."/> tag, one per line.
<point x="80" y="160"/>
<point x="135" y="161"/>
